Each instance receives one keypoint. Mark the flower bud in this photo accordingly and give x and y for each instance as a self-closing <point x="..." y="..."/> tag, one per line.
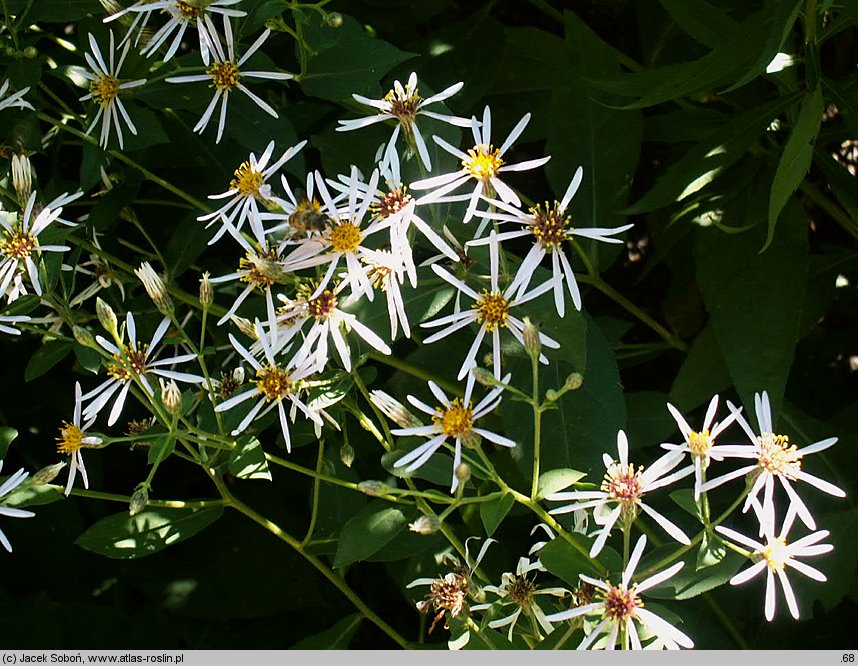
<point x="206" y="291"/>
<point x="374" y="488"/>
<point x="22" y="177"/>
<point x="334" y="19"/>
<point x="245" y="326"/>
<point x="347" y="454"/>
<point x="30" y="52"/>
<point x="171" y="397"/>
<point x="106" y="316"/>
<point x="47" y="474"/>
<point x="84" y="337"/>
<point x="394" y="410"/>
<point x="425" y="525"/>
<point x="574" y="381"/>
<point x="155" y="288"/>
<point x="139" y="500"/>
<point x="551" y="395"/>
<point x="484" y="377"/>
<point x="530" y="335"/>
<point x="463" y="473"/>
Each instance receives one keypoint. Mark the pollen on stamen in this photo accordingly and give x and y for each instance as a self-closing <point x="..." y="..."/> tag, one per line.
<point x="483" y="162"/>
<point x="455" y="420"/>
<point x="246" y="180"/>
<point x="189" y="11"/>
<point x="104" y="89"/>
<point x="549" y="225"/>
<point x="392" y="202"/>
<point x="273" y="383"/>
<point x="16" y="244"/>
<point x="623" y="483"/>
<point x="777" y="456"/>
<point x="344" y="238"/>
<point x="224" y="75"/>
<point x="260" y="269"/>
<point x="493" y="310"/>
<point x="775" y="554"/>
<point x="132" y="362"/>
<point x="699" y="443"/>
<point x="621" y="604"/>
<point x="70" y="439"/>
<point x="323" y="305"/>
<point x="403" y="104"/>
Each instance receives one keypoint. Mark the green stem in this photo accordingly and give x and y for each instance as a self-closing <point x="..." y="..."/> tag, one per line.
<point x="167" y="504"/>
<point x="537" y="425"/>
<point x="314" y="513"/>
<point x="414" y="371"/>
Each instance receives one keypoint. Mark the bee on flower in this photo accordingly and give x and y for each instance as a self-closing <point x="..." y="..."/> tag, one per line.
<point x="105" y="88"/>
<point x="403" y="104"/>
<point x="225" y="75"/>
<point x="483" y="163"/>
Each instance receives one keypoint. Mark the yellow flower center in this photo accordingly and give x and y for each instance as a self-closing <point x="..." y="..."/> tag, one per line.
<point x="308" y="216"/>
<point x="549" y="225"/>
<point x="273" y="383"/>
<point x="455" y="421"/>
<point x="699" y="443"/>
<point x="345" y="238"/>
<point x="131" y="362"/>
<point x="260" y="269"/>
<point x="224" y="75"/>
<point x="246" y="180"/>
<point x="623" y="483"/>
<point x="403" y="104"/>
<point x="482" y="162"/>
<point x="776" y="554"/>
<point x="777" y="456"/>
<point x="104" y="90"/>
<point x="494" y="310"/>
<point x="621" y="604"/>
<point x="70" y="439"/>
<point x="189" y="11"/>
<point x="16" y="244"/>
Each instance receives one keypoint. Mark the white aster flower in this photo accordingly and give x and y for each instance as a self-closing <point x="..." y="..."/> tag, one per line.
<point x="73" y="438"/>
<point x="518" y="590"/>
<point x="16" y="99"/>
<point x="386" y="273"/>
<point x="225" y="75"/>
<point x="303" y="217"/>
<point x="491" y="310"/>
<point x="774" y="458"/>
<point x="19" y="244"/>
<point x="274" y="384"/>
<point x="105" y="87"/>
<point x="247" y="189"/>
<point x="549" y="226"/>
<point x="328" y="321"/>
<point x="621" y="606"/>
<point x="622" y="489"/>
<point x="481" y="163"/>
<point x="183" y="13"/>
<point x="451" y="419"/>
<point x="8" y="486"/>
<point x="775" y="555"/>
<point x="403" y="104"/>
<point x="133" y="362"/>
<point x="700" y="445"/>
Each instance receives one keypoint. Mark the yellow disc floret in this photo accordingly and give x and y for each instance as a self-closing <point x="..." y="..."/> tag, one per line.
<point x="131" y="362"/>
<point x="493" y="309"/>
<point x="403" y="104"/>
<point x="273" y="383"/>
<point x="345" y="238"/>
<point x="776" y="554"/>
<point x="104" y="90"/>
<point x="224" y="75"/>
<point x="621" y="604"/>
<point x="17" y="244"/>
<point x="483" y="162"/>
<point x="246" y="180"/>
<point x="699" y="443"/>
<point x="549" y="225"/>
<point x="777" y="456"/>
<point x="70" y="439"/>
<point x="455" y="420"/>
<point x="189" y="11"/>
<point x="623" y="483"/>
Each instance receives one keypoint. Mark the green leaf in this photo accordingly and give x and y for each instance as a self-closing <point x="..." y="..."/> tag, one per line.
<point x="712" y="550"/>
<point x="690" y="582"/>
<point x="149" y="130"/>
<point x="796" y="158"/>
<point x="32" y="494"/>
<point x="337" y="637"/>
<point x="494" y="511"/>
<point x="7" y="436"/>
<point x="57" y="11"/>
<point x="567" y="562"/>
<point x="702" y="375"/>
<point x="703" y="163"/>
<point x="45" y="358"/>
<point x="583" y="133"/>
<point x="649" y="423"/>
<point x="367" y="532"/>
<point x="704" y="22"/>
<point x="555" y="480"/>
<point x="125" y="537"/>
<point x="249" y="462"/>
<point x="755" y="300"/>
<point x="352" y="63"/>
